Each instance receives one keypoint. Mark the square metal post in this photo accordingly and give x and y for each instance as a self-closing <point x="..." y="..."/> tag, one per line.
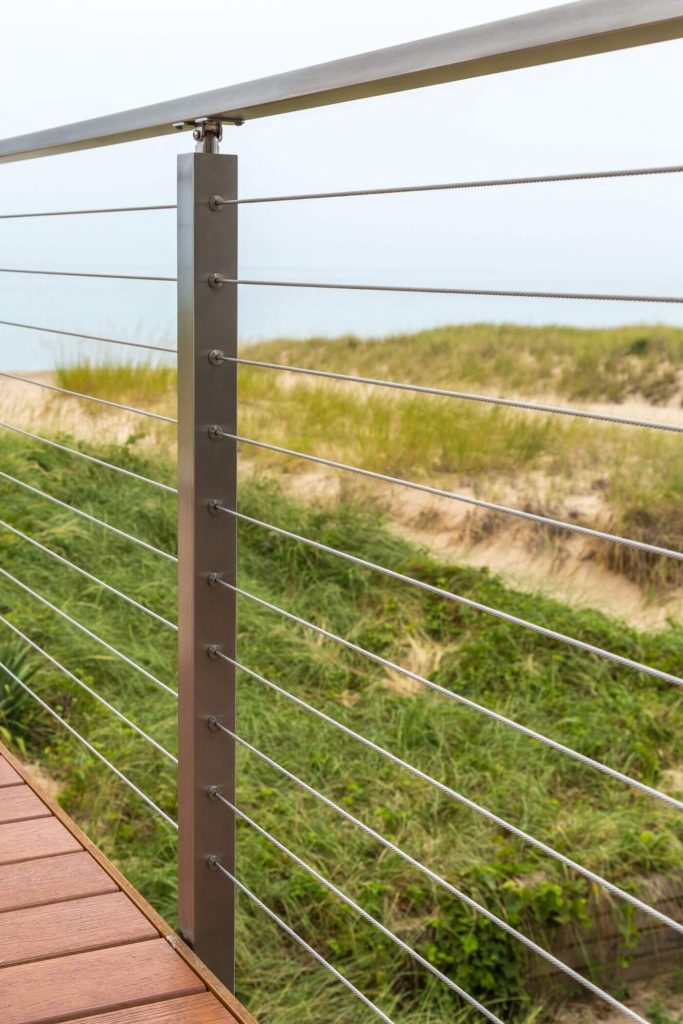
<point x="207" y="395"/>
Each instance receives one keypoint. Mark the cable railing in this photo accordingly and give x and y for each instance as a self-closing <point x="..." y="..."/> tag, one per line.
<point x="66" y="499"/>
<point x="89" y="746"/>
<point x="453" y="794"/>
<point x="104" y="209"/>
<point x="87" y="274"/>
<point x="511" y="403"/>
<point x="416" y="289"/>
<point x="440" y="492"/>
<point x="87" y="337"/>
<point x="423" y="869"/>
<point x="454" y="696"/>
<point x="90" y="458"/>
<point x="88" y="689"/>
<point x="90" y="518"/>
<point x="88" y="575"/>
<point x="336" y="891"/>
<point x="440" y="592"/>
<point x="84" y="629"/>
<point x="87" y="398"/>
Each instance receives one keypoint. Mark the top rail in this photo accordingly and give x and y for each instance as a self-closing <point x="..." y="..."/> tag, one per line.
<point x="559" y="33"/>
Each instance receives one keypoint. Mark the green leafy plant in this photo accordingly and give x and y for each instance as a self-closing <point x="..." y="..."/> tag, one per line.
<point x="17" y="707"/>
<point x="657" y="1013"/>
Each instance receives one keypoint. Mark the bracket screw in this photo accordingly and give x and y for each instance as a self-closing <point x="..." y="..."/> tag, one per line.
<point x="216" y="357"/>
<point x="214" y="651"/>
<point x="215" y="281"/>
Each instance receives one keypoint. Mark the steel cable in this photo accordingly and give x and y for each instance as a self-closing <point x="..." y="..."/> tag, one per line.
<point x="89" y="458"/>
<point x="468" y="396"/>
<point x="216" y="864"/>
<point x="80" y="213"/>
<point x="93" y="693"/>
<point x="93" y="750"/>
<point x="490" y="816"/>
<point x="515" y="620"/>
<point x="427" y="872"/>
<point x="331" y="887"/>
<point x="441" y="493"/>
<point x="89" y="576"/>
<point x="456" y="185"/>
<point x="88" y="398"/>
<point x="87" y="337"/>
<point x="420" y="290"/>
<point x="453" y="695"/>
<point x="84" y="629"/>
<point x="74" y="273"/>
<point x="90" y="518"/>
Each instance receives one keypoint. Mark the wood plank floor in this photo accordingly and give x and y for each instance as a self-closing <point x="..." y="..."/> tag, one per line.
<point x="77" y="942"/>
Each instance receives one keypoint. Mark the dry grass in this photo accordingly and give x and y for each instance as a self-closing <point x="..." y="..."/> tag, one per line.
<point x="618" y="479"/>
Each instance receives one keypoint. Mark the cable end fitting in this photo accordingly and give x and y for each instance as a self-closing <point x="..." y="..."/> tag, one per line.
<point x="216" y="357"/>
<point x="213" y="862"/>
<point x="216" y="203"/>
<point x="213" y="792"/>
<point x="214" y="506"/>
<point x="214" y="579"/>
<point x="215" y="432"/>
<point x="214" y="651"/>
<point x="216" y="281"/>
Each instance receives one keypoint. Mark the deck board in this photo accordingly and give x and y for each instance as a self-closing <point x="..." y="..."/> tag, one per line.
<point x="69" y="876"/>
<point x="103" y="979"/>
<point x="39" y="837"/>
<point x="55" y="929"/>
<point x="19" y="803"/>
<point x="77" y="942"/>
<point x="8" y="776"/>
<point x="199" y="1009"/>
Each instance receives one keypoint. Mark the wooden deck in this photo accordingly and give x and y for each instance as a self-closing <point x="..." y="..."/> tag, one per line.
<point x="77" y="942"/>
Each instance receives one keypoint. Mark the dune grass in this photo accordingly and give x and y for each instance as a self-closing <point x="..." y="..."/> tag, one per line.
<point x="148" y="383"/>
<point x="631" y="721"/>
<point x="601" y="364"/>
<point x="520" y="458"/>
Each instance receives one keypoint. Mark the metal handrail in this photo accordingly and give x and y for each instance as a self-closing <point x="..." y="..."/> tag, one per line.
<point x="527" y="40"/>
<point x="208" y="664"/>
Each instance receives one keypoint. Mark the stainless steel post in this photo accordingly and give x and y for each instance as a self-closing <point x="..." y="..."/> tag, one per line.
<point x="207" y="395"/>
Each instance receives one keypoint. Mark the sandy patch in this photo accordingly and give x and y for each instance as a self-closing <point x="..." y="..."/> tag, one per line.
<point x="531" y="558"/>
<point x="653" y="1001"/>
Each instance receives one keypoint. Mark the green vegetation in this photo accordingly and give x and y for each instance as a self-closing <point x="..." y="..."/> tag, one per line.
<point x="582" y="364"/>
<point x="148" y="384"/>
<point x="630" y="721"/>
<point x="630" y="480"/>
<point x="610" y="365"/>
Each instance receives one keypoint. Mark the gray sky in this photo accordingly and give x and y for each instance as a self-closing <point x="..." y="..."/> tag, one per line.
<point x="64" y="61"/>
